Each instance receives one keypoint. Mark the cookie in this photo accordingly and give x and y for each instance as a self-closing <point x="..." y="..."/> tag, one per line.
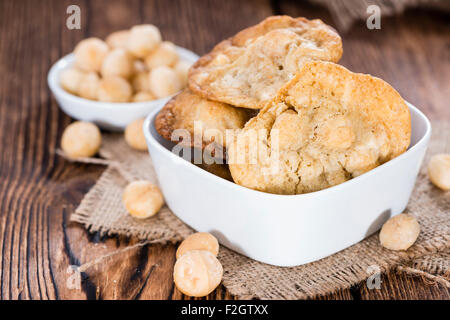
<point x="248" y="69"/>
<point x="212" y="117"/>
<point x="326" y="126"/>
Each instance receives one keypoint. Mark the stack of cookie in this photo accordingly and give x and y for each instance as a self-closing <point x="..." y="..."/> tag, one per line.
<point x="299" y="121"/>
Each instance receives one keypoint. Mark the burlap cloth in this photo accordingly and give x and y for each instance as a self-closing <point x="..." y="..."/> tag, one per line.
<point x="101" y="210"/>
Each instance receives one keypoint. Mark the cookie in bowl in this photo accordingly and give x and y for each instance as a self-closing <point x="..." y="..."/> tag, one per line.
<point x="325" y="127"/>
<point x="189" y="111"/>
<point x="217" y="169"/>
<point x="248" y="69"/>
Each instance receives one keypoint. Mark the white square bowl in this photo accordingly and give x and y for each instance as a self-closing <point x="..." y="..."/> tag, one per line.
<point x="288" y="230"/>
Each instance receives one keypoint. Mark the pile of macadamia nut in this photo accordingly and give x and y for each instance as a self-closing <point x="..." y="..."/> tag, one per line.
<point x="129" y="66"/>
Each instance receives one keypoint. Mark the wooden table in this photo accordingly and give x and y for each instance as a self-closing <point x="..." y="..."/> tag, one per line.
<point x="39" y="190"/>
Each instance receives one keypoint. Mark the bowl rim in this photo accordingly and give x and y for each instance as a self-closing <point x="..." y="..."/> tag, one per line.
<point x="67" y="60"/>
<point x="238" y="188"/>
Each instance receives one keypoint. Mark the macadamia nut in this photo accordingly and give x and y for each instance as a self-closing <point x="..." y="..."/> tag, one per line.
<point x="142" y="96"/>
<point x="197" y="273"/>
<point x="182" y="69"/>
<point x="139" y="66"/>
<point x="119" y="63"/>
<point x="141" y="82"/>
<point x="134" y="135"/>
<point x="118" y="39"/>
<point x="439" y="171"/>
<point x="81" y="139"/>
<point x="114" y="89"/>
<point x="89" y="86"/>
<point x="165" y="55"/>
<point x="142" y="199"/>
<point x="399" y="232"/>
<point x="71" y="80"/>
<point x="199" y="241"/>
<point x="164" y="82"/>
<point x="89" y="54"/>
<point x="143" y="39"/>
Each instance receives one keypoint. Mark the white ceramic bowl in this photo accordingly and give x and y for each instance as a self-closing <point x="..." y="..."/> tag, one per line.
<point x="111" y="116"/>
<point x="288" y="230"/>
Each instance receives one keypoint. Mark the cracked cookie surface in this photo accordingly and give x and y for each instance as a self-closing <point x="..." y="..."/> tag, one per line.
<point x="325" y="127"/>
<point x="186" y="108"/>
<point x="248" y="69"/>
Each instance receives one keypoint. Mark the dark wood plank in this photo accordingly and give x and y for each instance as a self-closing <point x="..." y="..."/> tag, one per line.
<point x="39" y="190"/>
<point x="23" y="162"/>
<point x="200" y="26"/>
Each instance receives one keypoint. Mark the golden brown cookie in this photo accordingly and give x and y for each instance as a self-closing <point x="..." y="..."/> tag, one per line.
<point x="248" y="69"/>
<point x="325" y="127"/>
<point x="212" y="117"/>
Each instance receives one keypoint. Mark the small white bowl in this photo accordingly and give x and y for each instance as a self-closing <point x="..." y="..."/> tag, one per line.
<point x="110" y="116"/>
<point x="288" y="230"/>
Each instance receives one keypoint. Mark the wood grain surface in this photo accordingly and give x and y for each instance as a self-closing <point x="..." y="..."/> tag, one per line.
<point x="39" y="190"/>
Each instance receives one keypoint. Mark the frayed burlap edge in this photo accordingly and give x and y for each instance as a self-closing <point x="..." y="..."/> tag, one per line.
<point x="164" y="228"/>
<point x="101" y="211"/>
<point x="433" y="269"/>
